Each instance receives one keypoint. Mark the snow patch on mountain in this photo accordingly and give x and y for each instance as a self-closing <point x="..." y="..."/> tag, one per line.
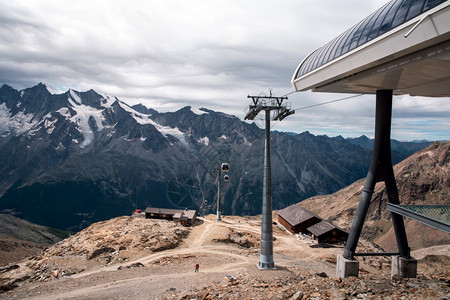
<point x="49" y="124"/>
<point x="75" y="97"/>
<point x="60" y="146"/>
<point x="246" y="142"/>
<point x="175" y="132"/>
<point x="109" y="100"/>
<point x="17" y="124"/>
<point x="204" y="140"/>
<point x="140" y="118"/>
<point x="81" y="119"/>
<point x="164" y="130"/>
<point x="65" y="112"/>
<point x="198" y="111"/>
<point x="50" y="90"/>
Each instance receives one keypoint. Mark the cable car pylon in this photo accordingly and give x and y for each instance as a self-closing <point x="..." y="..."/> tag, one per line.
<point x="268" y="104"/>
<point x="225" y="167"/>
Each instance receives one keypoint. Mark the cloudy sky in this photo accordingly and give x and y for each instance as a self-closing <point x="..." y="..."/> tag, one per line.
<point x="204" y="53"/>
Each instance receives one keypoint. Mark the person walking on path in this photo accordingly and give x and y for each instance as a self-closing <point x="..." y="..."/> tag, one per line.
<point x="196" y="268"/>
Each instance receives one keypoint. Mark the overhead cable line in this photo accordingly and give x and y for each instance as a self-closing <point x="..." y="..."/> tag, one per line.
<point x="288" y="94"/>
<point x="328" y="102"/>
<point x="319" y="104"/>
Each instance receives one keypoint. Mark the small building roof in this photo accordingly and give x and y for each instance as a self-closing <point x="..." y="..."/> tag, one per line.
<point x="166" y="211"/>
<point x="190" y="214"/>
<point x="322" y="228"/>
<point x="295" y="214"/>
<point x="177" y="213"/>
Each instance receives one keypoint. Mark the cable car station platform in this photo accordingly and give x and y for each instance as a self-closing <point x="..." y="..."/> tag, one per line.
<point x="403" y="48"/>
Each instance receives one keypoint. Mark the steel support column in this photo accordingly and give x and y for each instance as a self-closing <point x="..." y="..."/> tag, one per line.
<point x="267" y="103"/>
<point x="266" y="257"/>
<point x="219" y="218"/>
<point x="380" y="170"/>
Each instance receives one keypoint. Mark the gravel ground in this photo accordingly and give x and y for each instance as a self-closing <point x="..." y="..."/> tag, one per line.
<point x="91" y="266"/>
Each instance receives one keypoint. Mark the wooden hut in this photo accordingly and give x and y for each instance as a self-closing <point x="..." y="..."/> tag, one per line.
<point x="325" y="232"/>
<point x="297" y="219"/>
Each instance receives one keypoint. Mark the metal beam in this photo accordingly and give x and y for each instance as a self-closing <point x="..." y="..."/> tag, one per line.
<point x="398" y="209"/>
<point x="283" y="113"/>
<point x="377" y="254"/>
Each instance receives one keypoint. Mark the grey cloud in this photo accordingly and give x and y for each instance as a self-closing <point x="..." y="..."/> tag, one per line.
<point x="168" y="54"/>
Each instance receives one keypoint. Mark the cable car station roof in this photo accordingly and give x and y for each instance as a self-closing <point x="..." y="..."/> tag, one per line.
<point x="404" y="46"/>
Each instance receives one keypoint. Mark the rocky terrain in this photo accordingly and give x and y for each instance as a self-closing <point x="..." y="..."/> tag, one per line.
<point x="422" y="179"/>
<point x="139" y="258"/>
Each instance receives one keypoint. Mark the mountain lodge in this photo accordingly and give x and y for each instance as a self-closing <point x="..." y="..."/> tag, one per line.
<point x="183" y="216"/>
<point x="296" y="219"/>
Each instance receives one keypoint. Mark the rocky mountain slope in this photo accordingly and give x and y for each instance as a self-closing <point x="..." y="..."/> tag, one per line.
<point x="75" y="158"/>
<point x="422" y="179"/>
<point x="13" y="227"/>
<point x="397" y="147"/>
<point x="139" y="258"/>
<point x="20" y="238"/>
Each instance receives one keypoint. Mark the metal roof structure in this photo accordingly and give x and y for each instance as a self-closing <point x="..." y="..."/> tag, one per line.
<point x="436" y="216"/>
<point x="404" y="46"/>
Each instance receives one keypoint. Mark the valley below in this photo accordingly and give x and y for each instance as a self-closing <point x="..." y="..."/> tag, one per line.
<point x="137" y="258"/>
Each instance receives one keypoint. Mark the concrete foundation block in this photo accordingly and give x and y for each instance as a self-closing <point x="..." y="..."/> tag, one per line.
<point x="403" y="267"/>
<point x="266" y="266"/>
<point x="346" y="267"/>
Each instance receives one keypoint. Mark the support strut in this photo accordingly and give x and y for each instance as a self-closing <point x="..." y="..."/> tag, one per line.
<point x="380" y="170"/>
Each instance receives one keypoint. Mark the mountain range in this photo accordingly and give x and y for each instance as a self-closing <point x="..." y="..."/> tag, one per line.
<point x="75" y="158"/>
